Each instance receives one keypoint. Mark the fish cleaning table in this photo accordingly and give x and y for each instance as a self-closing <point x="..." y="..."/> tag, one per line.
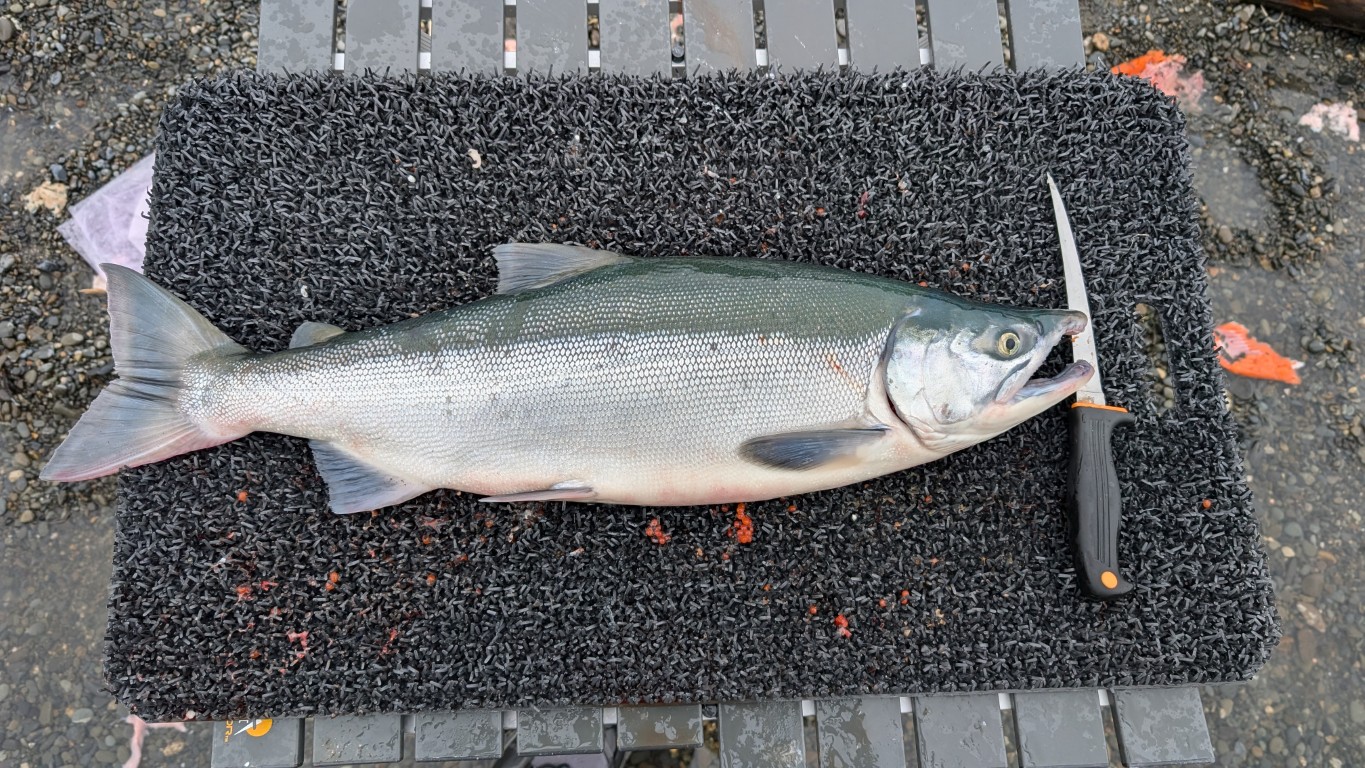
<point x="887" y="622"/>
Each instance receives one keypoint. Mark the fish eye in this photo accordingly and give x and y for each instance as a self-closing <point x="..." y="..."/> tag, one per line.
<point x="1008" y="345"/>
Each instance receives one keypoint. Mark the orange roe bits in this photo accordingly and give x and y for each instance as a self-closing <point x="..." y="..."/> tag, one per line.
<point x="743" y="527"/>
<point x="655" y="532"/>
<point x="841" y="625"/>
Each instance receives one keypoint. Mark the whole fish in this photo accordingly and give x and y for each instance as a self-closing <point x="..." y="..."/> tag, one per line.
<point x="590" y="376"/>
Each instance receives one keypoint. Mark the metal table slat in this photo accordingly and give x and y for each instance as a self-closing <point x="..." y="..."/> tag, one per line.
<point x="635" y="36"/>
<point x="552" y="36"/>
<point x="719" y="35"/>
<point x="959" y="731"/>
<point x="560" y="731"/>
<point x="1060" y="729"/>
<point x="1161" y="726"/>
<point x="765" y="734"/>
<point x="466" y="35"/>
<point x="801" y="34"/>
<point x="459" y="736"/>
<point x="263" y="743"/>
<point x="350" y="739"/>
<point x="659" y="727"/>
<point x="882" y="34"/>
<point x="296" y="35"/>
<point x="965" y="33"/>
<point x="382" y="35"/>
<point x="1045" y="33"/>
<point x="860" y="733"/>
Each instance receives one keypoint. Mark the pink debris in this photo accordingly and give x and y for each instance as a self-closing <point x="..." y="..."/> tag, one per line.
<point x="1338" y="118"/>
<point x="140" y="728"/>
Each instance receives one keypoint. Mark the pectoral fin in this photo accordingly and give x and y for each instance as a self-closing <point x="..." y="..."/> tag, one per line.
<point x="353" y="486"/>
<point x="556" y="492"/>
<point x="809" y="450"/>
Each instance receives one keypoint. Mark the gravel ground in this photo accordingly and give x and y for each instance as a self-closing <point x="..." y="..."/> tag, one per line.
<point x="81" y="85"/>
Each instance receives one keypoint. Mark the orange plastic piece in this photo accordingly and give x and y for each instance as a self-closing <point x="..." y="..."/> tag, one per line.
<point x="1240" y="353"/>
<point x="1135" y="67"/>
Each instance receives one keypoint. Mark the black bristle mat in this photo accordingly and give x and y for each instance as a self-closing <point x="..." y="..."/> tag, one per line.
<point x="359" y="202"/>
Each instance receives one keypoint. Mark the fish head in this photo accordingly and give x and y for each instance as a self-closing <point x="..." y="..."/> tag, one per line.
<point x="959" y="372"/>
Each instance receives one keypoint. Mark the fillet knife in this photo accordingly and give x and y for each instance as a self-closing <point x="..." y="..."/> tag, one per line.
<point x="1094" y="500"/>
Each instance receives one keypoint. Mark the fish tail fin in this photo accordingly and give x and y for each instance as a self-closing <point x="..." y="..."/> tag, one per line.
<point x="137" y="419"/>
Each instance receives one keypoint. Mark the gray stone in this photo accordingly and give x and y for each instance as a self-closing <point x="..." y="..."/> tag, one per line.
<point x="1312" y="585"/>
<point x="4" y="691"/>
<point x="1358" y="712"/>
<point x="6" y="29"/>
<point x="1225" y="234"/>
<point x="82" y="715"/>
<point x="25" y="518"/>
<point x="1293" y="530"/>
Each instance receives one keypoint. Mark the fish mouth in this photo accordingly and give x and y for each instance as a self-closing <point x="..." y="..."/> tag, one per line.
<point x="1068" y="323"/>
<point x="1057" y="387"/>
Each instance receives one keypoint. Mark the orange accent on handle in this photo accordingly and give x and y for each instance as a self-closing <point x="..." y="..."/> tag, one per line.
<point x="261" y="728"/>
<point x="1079" y="404"/>
<point x="1108" y="578"/>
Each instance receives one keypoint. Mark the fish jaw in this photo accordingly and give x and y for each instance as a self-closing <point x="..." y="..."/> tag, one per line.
<point x="1021" y="397"/>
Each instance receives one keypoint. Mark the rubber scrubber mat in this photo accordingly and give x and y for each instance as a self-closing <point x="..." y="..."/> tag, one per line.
<point x="368" y="201"/>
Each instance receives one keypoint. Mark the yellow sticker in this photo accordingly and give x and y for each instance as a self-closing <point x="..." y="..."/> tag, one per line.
<point x="260" y="727"/>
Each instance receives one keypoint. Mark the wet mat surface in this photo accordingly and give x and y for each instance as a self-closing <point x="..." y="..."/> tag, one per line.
<point x="357" y="202"/>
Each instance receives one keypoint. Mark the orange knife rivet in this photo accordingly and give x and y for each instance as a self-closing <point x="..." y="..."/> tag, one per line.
<point x="1109" y="579"/>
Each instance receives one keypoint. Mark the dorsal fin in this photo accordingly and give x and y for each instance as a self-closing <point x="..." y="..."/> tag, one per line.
<point x="308" y="334"/>
<point x="523" y="266"/>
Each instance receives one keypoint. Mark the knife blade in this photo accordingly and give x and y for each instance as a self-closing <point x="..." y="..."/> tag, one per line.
<point x="1095" y="502"/>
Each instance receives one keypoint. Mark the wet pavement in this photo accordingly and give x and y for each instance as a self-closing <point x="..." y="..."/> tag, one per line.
<point x="1284" y="216"/>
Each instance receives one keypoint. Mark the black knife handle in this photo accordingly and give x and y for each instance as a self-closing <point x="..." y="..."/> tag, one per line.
<point x="1096" y="504"/>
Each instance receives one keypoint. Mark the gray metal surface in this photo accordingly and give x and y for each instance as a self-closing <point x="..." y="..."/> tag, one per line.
<point x="882" y="34"/>
<point x="357" y="739"/>
<point x="965" y="33"/>
<point x="466" y="35"/>
<point x="635" y="37"/>
<point x="296" y="35"/>
<point x="1161" y="726"/>
<point x="960" y="731"/>
<point x="280" y="744"/>
<point x="1045" y="33"/>
<point x="566" y="731"/>
<point x="761" y="735"/>
<point x="719" y="35"/>
<point x="661" y="727"/>
<point x="801" y="34"/>
<point x="459" y="735"/>
<point x="381" y="35"/>
<point x="552" y="36"/>
<point x="860" y="733"/>
<point x="1083" y="343"/>
<point x="1060" y="729"/>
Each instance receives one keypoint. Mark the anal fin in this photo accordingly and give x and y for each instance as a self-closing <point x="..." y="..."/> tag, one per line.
<point x="809" y="450"/>
<point x="557" y="492"/>
<point x="353" y="486"/>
